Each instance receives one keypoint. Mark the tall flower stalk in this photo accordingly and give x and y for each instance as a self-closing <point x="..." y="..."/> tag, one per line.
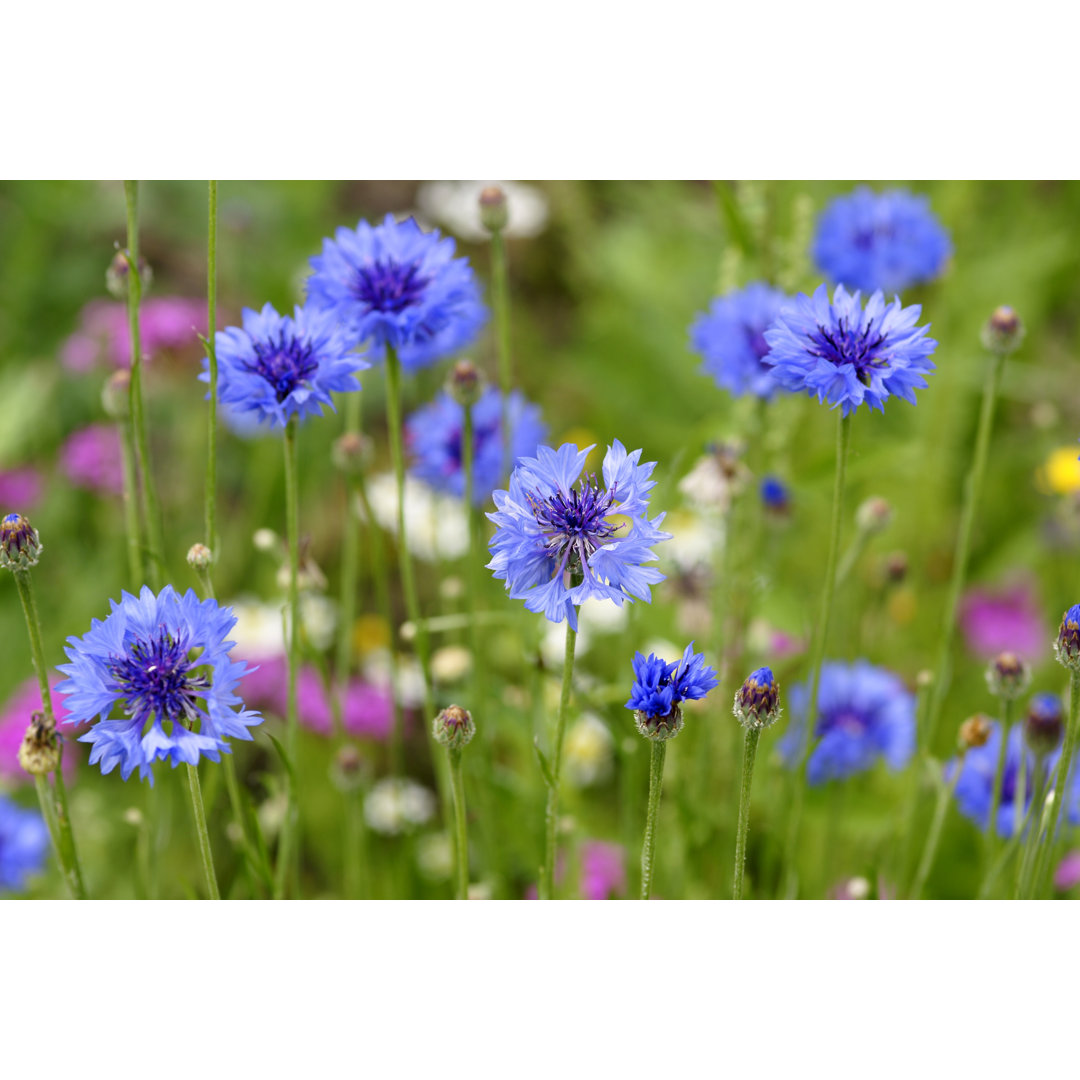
<point x="494" y="214"/>
<point x="148" y="491"/>
<point x="211" y="353"/>
<point x="348" y="452"/>
<point x="657" y="754"/>
<point x="1002" y="336"/>
<point x="454" y="729"/>
<point x="554" y="779"/>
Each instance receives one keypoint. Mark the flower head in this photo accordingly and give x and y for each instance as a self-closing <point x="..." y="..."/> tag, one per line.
<point x="434" y="438"/>
<point x="603" y="870"/>
<point x="20" y="544"/>
<point x="395" y="285"/>
<point x="279" y="366"/>
<point x="1007" y="676"/>
<point x="22" y="487"/>
<point x="846" y="355"/>
<point x="1067" y="645"/>
<point x="454" y="727"/>
<point x="163" y="661"/>
<point x="730" y="338"/>
<point x="775" y="495"/>
<point x="757" y="701"/>
<point x="864" y="713"/>
<point x="556" y="542"/>
<point x="457" y="205"/>
<point x="91" y="459"/>
<point x="15" y="714"/>
<point x="24" y="843"/>
<point x="1044" y="724"/>
<point x="1008" y="619"/>
<point x="888" y="241"/>
<point x="660" y="688"/>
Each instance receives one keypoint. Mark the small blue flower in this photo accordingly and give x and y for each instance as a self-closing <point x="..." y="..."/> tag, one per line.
<point x="660" y="688"/>
<point x="864" y="713"/>
<point x="975" y="788"/>
<point x="278" y="366"/>
<point x="730" y="338"/>
<point x="775" y="494"/>
<point x="843" y="355"/>
<point x="888" y="241"/>
<point x="24" y="844"/>
<point x="1067" y="645"/>
<point x="556" y="545"/>
<point x="395" y="285"/>
<point x="164" y="662"/>
<point x="433" y="436"/>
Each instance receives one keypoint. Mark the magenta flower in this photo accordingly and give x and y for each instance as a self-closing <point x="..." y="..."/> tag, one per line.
<point x="19" y="488"/>
<point x="14" y="720"/>
<point x="1004" y="620"/>
<point x="603" y="871"/>
<point x="1067" y="875"/>
<point x="91" y="459"/>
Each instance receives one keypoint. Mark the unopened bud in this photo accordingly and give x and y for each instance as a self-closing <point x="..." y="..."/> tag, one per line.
<point x="20" y="545"/>
<point x="1044" y="724"/>
<point x="1004" y="331"/>
<point x="352" y="453"/>
<point x="116" y="395"/>
<point x="465" y="384"/>
<point x="874" y="515"/>
<point x="40" y="750"/>
<point x="974" y="731"/>
<point x="757" y="701"/>
<point x="116" y="277"/>
<point x="199" y="558"/>
<point x="454" y="727"/>
<point x="494" y="213"/>
<point x="1007" y="676"/>
<point x="1067" y="646"/>
<point x="895" y="567"/>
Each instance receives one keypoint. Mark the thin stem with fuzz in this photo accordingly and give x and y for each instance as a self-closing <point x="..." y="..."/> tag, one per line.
<point x="750" y="743"/>
<point x="551" y="817"/>
<point x="658" y="751"/>
<point x="205" y="852"/>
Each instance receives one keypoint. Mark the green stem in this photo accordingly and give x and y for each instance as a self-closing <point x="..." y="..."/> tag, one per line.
<point x="202" y="832"/>
<point x="151" y="507"/>
<point x="1007" y="705"/>
<point x="658" y="751"/>
<point x="461" y="841"/>
<point x="211" y="352"/>
<point x="472" y="576"/>
<point x="1061" y="784"/>
<point x="350" y="545"/>
<point x="60" y="819"/>
<point x="750" y="743"/>
<point x="821" y="633"/>
<point x="973" y="489"/>
<point x="501" y="302"/>
<point x="926" y="863"/>
<point x="292" y="539"/>
<point x="551" y="818"/>
<point x="132" y="525"/>
<point x="1031" y="845"/>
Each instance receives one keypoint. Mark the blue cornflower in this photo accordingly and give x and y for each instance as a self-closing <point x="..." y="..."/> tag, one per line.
<point x="839" y="353"/>
<point x="975" y="787"/>
<point x="556" y="544"/>
<point x="278" y="366"/>
<point x="864" y="712"/>
<point x="888" y="241"/>
<point x="164" y="662"/>
<point x="660" y="688"/>
<point x="433" y="436"/>
<point x="24" y="843"/>
<point x="775" y="495"/>
<point x="395" y="285"/>
<point x="730" y="338"/>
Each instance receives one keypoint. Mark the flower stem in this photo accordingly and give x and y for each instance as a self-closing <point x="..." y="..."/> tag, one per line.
<point x="1031" y="846"/>
<point x="461" y="841"/>
<point x="656" y="782"/>
<point x="202" y="832"/>
<point x="551" y="819"/>
<point x="472" y="577"/>
<point x="926" y="863"/>
<point x="973" y="489"/>
<point x="59" y="820"/>
<point x="350" y="552"/>
<point x="750" y="742"/>
<point x="999" y="772"/>
<point x="132" y="525"/>
<point x="843" y="440"/>
<point x="151" y="507"/>
<point x="292" y="532"/>
<point x="211" y="352"/>
<point x="1061" y="784"/>
<point x="501" y="302"/>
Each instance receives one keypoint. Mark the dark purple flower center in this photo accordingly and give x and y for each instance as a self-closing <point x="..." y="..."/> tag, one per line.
<point x="482" y="435"/>
<point x="284" y="362"/>
<point x="844" y="344"/>
<point x="155" y="679"/>
<point x="575" y="525"/>
<point x="755" y="337"/>
<point x="388" y="286"/>
<point x="848" y="721"/>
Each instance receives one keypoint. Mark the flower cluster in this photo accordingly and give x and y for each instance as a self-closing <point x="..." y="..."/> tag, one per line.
<point x="863" y="713"/>
<point x="556" y="542"/>
<point x="394" y="285"/>
<point x="888" y="241"/>
<point x="433" y="435"/>
<point x="277" y="366"/>
<point x="730" y="338"/>
<point x="164" y="662"/>
<point x="660" y="688"/>
<point x="846" y="355"/>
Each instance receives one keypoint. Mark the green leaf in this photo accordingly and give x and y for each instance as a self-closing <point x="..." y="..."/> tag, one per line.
<point x="545" y="768"/>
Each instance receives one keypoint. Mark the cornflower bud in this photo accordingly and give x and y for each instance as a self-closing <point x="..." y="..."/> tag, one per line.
<point x="352" y="453"/>
<point x="874" y="515"/>
<point x="454" y="727"/>
<point x="115" y="395"/>
<point x="40" y="750"/>
<point x="1007" y="676"/>
<point x="1003" y="332"/>
<point x="116" y="277"/>
<point x="974" y="731"/>
<point x="199" y="558"/>
<point x="1067" y="646"/>
<point x="465" y="384"/>
<point x="494" y="213"/>
<point x="1044" y="724"/>
<point x="20" y="545"/>
<point x="757" y="701"/>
